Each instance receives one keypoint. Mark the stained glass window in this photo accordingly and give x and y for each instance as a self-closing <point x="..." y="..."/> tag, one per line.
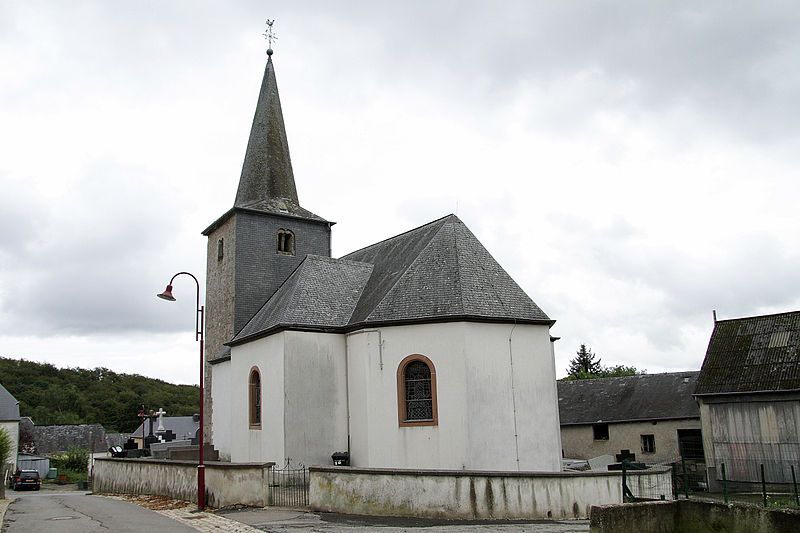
<point x="255" y="398"/>
<point x="418" y="392"/>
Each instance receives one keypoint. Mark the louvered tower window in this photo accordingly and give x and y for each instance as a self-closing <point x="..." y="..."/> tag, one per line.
<point x="285" y="242"/>
<point x="416" y="392"/>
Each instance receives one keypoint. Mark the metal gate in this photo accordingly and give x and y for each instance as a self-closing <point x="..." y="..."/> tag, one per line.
<point x="288" y="486"/>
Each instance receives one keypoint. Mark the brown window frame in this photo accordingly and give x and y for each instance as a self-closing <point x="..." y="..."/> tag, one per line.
<point x="254" y="407"/>
<point x="401" y="393"/>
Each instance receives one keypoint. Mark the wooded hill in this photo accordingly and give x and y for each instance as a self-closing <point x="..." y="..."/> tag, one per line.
<point x="51" y="395"/>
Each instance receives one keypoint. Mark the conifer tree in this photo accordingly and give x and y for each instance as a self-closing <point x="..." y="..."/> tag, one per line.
<point x="584" y="364"/>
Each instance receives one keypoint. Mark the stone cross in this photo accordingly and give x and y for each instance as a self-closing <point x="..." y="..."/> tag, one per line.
<point x="161" y="412"/>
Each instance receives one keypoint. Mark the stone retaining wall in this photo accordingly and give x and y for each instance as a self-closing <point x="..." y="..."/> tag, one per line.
<point x="226" y="483"/>
<point x="456" y="494"/>
<point x="689" y="516"/>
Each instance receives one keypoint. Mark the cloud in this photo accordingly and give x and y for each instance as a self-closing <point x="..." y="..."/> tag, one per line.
<point x="632" y="166"/>
<point x="89" y="261"/>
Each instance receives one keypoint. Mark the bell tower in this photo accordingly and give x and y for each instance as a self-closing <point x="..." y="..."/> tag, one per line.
<point x="258" y="242"/>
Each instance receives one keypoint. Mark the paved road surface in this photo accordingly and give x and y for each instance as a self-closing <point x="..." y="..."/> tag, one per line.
<point x="287" y="521"/>
<point x="76" y="512"/>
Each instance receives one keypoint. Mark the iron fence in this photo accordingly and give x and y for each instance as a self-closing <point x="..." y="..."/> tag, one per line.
<point x="288" y="486"/>
<point x="775" y="483"/>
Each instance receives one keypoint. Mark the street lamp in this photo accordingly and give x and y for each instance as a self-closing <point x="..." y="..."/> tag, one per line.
<point x="198" y="336"/>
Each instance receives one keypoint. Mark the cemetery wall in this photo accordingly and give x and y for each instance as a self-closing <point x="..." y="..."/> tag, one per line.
<point x="457" y="494"/>
<point x="226" y="483"/>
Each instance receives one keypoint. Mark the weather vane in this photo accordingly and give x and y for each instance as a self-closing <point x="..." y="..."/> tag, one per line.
<point x="270" y="36"/>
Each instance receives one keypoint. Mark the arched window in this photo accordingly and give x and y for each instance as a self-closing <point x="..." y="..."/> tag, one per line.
<point x="416" y="392"/>
<point x="285" y="242"/>
<point x="255" y="398"/>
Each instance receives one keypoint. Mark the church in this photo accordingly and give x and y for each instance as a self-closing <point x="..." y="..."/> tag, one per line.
<point x="416" y="352"/>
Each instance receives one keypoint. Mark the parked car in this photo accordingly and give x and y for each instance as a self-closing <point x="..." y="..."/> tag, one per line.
<point x="25" y="479"/>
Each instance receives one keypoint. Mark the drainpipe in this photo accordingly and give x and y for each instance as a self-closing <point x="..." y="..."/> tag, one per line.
<point x="347" y="371"/>
<point x="513" y="392"/>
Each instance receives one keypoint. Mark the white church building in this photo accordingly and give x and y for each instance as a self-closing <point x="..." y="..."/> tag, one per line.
<point x="417" y="352"/>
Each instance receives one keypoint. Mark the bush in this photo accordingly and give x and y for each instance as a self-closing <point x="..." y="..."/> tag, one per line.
<point x="75" y="459"/>
<point x="5" y="447"/>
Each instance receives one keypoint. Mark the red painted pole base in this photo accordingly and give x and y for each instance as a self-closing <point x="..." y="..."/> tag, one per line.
<point x="201" y="487"/>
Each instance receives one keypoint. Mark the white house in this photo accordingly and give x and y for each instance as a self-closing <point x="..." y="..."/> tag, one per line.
<point x="419" y="351"/>
<point x="9" y="421"/>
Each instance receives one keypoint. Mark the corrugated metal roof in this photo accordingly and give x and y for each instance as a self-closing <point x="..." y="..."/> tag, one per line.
<point x="753" y="354"/>
<point x="628" y="398"/>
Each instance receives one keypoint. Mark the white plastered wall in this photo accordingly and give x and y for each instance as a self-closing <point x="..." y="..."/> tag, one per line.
<point x="266" y="443"/>
<point x="476" y="407"/>
<point x="221" y="415"/>
<point x="316" y="397"/>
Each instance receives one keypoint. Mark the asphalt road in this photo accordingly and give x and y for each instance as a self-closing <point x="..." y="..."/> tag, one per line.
<point x="77" y="512"/>
<point x="56" y="511"/>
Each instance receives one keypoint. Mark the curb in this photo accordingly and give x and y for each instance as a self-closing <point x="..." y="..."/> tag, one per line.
<point x="3" y="506"/>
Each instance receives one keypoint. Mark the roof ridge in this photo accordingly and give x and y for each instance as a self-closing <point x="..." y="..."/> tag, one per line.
<point x="757" y="316"/>
<point x="399" y="235"/>
<point x="412" y="263"/>
<point x="458" y="268"/>
<point x="491" y="281"/>
<point x="638" y="376"/>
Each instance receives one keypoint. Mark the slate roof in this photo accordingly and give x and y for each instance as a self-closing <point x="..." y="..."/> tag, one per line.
<point x="9" y="406"/>
<point x="184" y="427"/>
<point x="321" y="293"/>
<point x="267" y="168"/>
<point x="267" y="184"/>
<point x="439" y="271"/>
<point x="627" y="399"/>
<point x="753" y="354"/>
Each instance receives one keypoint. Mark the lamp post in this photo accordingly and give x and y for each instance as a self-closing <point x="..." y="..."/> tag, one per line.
<point x="198" y="336"/>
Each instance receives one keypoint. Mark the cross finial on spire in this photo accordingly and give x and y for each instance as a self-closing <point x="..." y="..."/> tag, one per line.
<point x="270" y="36"/>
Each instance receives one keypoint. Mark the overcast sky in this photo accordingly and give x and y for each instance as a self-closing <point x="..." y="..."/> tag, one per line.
<point x="632" y="165"/>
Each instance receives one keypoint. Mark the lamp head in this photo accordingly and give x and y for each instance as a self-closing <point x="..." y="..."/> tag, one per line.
<point x="167" y="294"/>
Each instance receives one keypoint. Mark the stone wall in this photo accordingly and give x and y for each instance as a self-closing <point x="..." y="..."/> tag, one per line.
<point x="60" y="438"/>
<point x="226" y="483"/>
<point x="688" y="516"/>
<point x="455" y="494"/>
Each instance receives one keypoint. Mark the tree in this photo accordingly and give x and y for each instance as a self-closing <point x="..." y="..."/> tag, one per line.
<point x="583" y="364"/>
<point x="621" y="370"/>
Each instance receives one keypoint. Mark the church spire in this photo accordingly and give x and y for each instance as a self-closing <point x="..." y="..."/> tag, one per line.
<point x="267" y="174"/>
